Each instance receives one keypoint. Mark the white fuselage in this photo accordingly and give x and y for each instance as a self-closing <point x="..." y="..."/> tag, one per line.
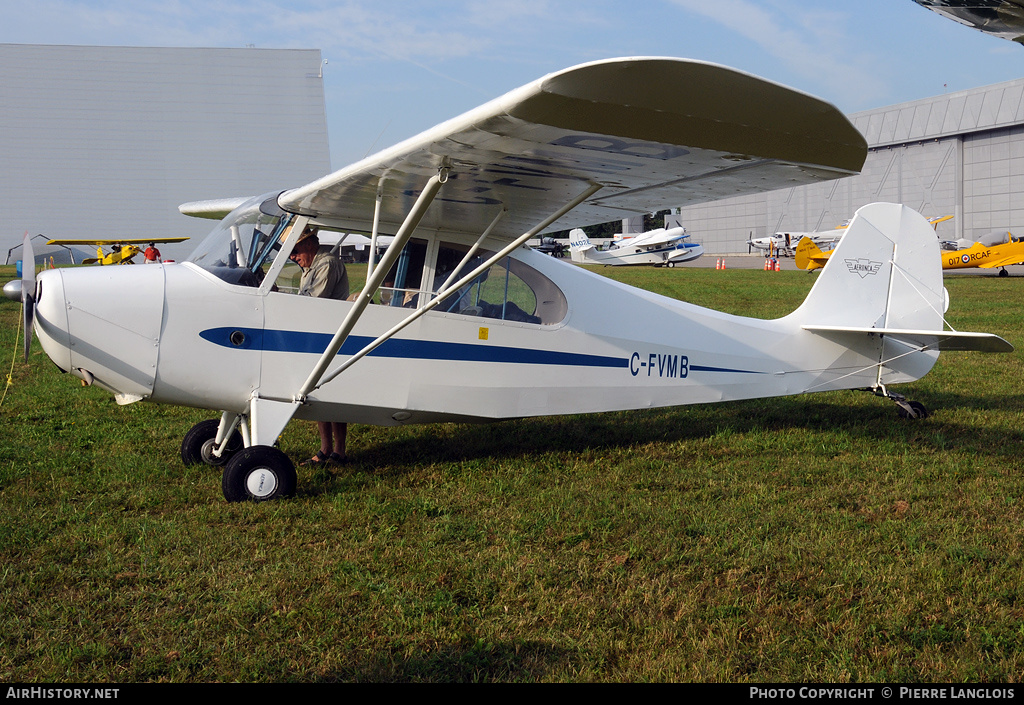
<point x="179" y="335"/>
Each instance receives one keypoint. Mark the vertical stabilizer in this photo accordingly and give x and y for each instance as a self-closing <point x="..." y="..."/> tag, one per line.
<point x="579" y="245"/>
<point x="886" y="273"/>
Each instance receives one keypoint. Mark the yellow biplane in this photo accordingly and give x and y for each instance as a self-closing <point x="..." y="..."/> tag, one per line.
<point x="121" y="251"/>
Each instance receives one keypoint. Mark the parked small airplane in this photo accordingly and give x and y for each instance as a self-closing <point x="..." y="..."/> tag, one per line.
<point x="477" y="327"/>
<point x="1000" y="249"/>
<point x="782" y="243"/>
<point x="809" y="256"/>
<point x="663" y="247"/>
<point x="121" y="251"/>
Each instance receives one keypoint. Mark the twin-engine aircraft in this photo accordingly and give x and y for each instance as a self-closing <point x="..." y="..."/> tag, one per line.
<point x="460" y="321"/>
<point x="121" y="251"/>
<point x="664" y="247"/>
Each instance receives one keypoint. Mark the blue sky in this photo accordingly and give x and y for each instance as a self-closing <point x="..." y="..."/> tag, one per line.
<point x="397" y="67"/>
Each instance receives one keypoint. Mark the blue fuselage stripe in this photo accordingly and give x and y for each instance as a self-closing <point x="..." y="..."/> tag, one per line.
<point x="316" y="343"/>
<point x="287" y="341"/>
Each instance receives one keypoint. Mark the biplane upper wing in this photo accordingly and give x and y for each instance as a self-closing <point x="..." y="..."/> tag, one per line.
<point x="653" y="132"/>
<point x="115" y="241"/>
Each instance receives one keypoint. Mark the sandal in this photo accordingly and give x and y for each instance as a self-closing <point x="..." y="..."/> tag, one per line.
<point x="320" y="458"/>
<point x="338" y="459"/>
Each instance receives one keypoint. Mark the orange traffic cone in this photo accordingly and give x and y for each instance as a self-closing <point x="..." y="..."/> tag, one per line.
<point x="777" y="268"/>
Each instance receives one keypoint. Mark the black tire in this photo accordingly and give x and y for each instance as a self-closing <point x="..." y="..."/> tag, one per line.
<point x="258" y="474"/>
<point x="918" y="411"/>
<point x="197" y="445"/>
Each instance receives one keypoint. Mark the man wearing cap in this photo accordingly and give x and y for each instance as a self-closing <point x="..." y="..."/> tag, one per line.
<point x="323" y="276"/>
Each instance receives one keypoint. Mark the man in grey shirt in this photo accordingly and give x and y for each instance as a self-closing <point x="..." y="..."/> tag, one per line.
<point x="323" y="276"/>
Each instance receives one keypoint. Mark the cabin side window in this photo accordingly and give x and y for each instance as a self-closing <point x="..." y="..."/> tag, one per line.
<point x="402" y="284"/>
<point x="509" y="290"/>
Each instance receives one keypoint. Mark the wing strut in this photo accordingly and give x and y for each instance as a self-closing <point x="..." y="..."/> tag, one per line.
<point x="371" y="265"/>
<point x="374" y="280"/>
<point x="447" y="288"/>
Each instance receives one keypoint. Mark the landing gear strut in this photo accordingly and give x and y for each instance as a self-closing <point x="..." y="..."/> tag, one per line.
<point x="905" y="408"/>
<point x="198" y="445"/>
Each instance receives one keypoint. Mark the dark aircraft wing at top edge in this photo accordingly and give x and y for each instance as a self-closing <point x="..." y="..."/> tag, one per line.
<point x="1000" y="18"/>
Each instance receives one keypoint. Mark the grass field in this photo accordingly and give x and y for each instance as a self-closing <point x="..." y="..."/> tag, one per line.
<point x="815" y="538"/>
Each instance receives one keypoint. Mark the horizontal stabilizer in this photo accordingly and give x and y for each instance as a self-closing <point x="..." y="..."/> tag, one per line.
<point x="945" y="340"/>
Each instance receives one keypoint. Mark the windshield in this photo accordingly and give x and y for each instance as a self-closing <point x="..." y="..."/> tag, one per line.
<point x="245" y="241"/>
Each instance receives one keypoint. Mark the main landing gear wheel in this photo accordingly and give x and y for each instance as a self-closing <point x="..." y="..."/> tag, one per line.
<point x="198" y="444"/>
<point x="258" y="474"/>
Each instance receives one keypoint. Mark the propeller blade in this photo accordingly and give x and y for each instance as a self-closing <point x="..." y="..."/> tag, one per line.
<point x="28" y="290"/>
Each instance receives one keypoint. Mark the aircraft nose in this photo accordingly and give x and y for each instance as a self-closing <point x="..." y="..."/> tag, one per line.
<point x="51" y="320"/>
<point x="103" y="324"/>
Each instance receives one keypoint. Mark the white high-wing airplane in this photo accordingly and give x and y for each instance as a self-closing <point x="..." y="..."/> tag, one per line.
<point x="785" y="243"/>
<point x="664" y="246"/>
<point x="478" y="327"/>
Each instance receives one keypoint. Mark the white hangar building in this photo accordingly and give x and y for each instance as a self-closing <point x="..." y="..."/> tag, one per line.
<point x="959" y="154"/>
<point x="106" y="142"/>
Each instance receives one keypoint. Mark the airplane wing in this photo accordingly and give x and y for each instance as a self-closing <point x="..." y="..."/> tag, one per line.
<point x="654" y="132"/>
<point x="215" y="208"/>
<point x="1016" y="258"/>
<point x="1000" y="18"/>
<point x="127" y="241"/>
<point x="656" y="238"/>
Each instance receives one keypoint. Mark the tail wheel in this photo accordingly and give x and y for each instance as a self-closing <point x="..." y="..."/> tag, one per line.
<point x="258" y="474"/>
<point x="911" y="410"/>
<point x="198" y="444"/>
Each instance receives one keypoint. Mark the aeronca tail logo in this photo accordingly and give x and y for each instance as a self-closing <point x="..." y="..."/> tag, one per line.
<point x="863" y="267"/>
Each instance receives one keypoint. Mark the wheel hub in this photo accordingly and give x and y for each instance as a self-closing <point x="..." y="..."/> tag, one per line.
<point x="208" y="457"/>
<point x="261" y="483"/>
